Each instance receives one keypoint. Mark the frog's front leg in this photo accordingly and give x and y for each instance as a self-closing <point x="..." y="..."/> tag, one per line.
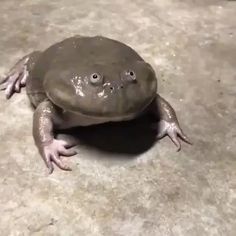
<point x="18" y="74"/>
<point x="167" y="122"/>
<point x="45" y="118"/>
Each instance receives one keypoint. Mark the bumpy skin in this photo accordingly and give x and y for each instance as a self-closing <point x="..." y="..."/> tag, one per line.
<point x="84" y="81"/>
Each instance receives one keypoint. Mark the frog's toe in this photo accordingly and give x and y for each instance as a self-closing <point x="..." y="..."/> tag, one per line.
<point x="67" y="152"/>
<point x="58" y="161"/>
<point x="173" y="130"/>
<point x="11" y="85"/>
<point x="51" y="158"/>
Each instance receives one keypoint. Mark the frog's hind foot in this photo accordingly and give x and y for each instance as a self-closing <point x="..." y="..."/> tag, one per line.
<point x="15" y="78"/>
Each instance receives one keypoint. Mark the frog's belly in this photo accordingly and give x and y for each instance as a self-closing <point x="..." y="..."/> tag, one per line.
<point x="70" y="120"/>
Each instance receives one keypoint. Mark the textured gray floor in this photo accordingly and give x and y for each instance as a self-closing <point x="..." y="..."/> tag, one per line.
<point x="192" y="46"/>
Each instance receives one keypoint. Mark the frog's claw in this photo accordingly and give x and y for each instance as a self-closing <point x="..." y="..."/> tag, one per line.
<point x="15" y="78"/>
<point x="173" y="130"/>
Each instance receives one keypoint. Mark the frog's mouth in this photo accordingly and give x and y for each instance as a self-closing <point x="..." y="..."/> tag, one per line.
<point x="114" y="118"/>
<point x="113" y="109"/>
<point x="95" y="118"/>
<point x="112" y="114"/>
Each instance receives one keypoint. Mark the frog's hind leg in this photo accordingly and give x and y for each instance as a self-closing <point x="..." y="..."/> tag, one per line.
<point x="16" y="78"/>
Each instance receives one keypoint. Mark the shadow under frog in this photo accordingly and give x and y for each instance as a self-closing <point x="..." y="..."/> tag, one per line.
<point x="127" y="139"/>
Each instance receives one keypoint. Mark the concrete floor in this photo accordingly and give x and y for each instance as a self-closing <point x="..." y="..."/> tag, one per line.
<point x="140" y="189"/>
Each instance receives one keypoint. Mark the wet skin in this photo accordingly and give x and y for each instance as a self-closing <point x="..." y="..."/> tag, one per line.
<point x="83" y="81"/>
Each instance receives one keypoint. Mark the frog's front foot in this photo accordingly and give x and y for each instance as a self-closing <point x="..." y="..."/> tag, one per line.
<point x="167" y="122"/>
<point x="173" y="130"/>
<point x="52" y="153"/>
<point x="15" y="78"/>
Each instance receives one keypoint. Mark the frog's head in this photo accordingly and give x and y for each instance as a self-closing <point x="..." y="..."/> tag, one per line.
<point x="116" y="90"/>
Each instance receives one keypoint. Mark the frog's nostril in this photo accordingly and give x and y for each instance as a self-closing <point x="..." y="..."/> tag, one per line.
<point x="111" y="88"/>
<point x="121" y="87"/>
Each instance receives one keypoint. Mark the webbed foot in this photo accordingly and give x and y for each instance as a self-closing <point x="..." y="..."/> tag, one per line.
<point x="53" y="152"/>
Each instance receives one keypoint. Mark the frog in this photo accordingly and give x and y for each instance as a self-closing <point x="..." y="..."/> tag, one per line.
<point x="84" y="81"/>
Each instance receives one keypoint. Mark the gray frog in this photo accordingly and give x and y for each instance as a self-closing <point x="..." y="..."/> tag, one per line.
<point x="83" y="81"/>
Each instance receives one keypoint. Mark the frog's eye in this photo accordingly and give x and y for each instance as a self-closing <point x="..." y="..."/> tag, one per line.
<point x="96" y="78"/>
<point x="130" y="75"/>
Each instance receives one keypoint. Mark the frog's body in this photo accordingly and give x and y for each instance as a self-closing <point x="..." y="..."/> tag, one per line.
<point x="84" y="81"/>
<point x="66" y="67"/>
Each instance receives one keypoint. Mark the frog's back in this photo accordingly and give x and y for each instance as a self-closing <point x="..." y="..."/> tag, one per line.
<point x="87" y="50"/>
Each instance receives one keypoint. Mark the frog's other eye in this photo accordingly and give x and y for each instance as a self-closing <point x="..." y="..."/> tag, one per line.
<point x="130" y="75"/>
<point x="96" y="78"/>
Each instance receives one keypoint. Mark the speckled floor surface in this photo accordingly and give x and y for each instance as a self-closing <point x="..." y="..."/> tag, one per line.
<point x="135" y="189"/>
